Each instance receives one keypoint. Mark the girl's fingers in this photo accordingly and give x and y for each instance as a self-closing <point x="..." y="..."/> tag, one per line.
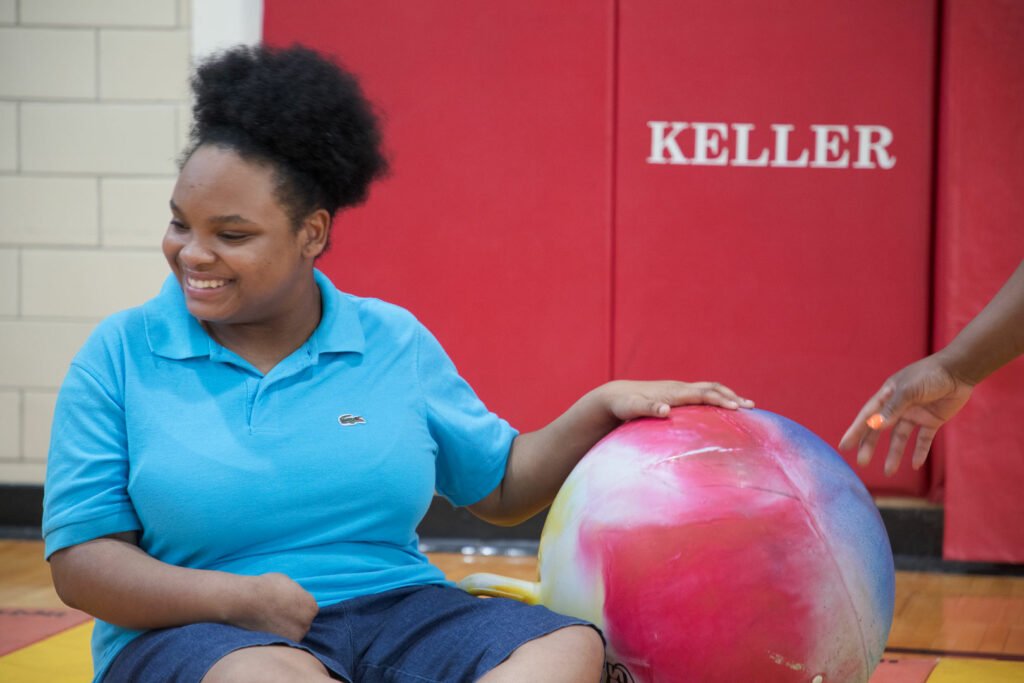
<point x="897" y="444"/>
<point x="860" y="427"/>
<point x="925" y="435"/>
<point x="867" y="447"/>
<point x="718" y="394"/>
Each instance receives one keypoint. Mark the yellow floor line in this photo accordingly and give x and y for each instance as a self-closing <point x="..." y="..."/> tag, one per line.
<point x="951" y="670"/>
<point x="63" y="658"/>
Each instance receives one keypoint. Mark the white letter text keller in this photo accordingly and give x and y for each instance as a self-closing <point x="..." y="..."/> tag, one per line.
<point x="702" y="143"/>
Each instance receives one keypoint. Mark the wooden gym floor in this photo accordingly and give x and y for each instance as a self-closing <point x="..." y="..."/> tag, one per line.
<point x="937" y="614"/>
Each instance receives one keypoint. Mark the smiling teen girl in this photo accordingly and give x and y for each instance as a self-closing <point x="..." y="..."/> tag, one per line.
<point x="206" y="498"/>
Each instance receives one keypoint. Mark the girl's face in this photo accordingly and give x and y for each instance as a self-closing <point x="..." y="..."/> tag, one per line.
<point x="232" y="245"/>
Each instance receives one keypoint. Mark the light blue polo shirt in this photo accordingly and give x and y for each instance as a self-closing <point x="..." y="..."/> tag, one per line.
<point x="321" y="469"/>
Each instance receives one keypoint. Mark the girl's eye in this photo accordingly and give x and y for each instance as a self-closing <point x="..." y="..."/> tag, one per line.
<point x="178" y="225"/>
<point x="233" y="236"/>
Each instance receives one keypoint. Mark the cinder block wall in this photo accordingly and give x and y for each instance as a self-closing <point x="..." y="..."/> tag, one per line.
<point x="93" y="113"/>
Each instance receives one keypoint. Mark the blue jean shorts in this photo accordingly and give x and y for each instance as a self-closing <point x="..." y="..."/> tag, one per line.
<point x="417" y="633"/>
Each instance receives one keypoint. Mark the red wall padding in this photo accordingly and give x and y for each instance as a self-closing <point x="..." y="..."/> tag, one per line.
<point x="805" y="287"/>
<point x="979" y="243"/>
<point x="494" y="227"/>
<point x="524" y="225"/>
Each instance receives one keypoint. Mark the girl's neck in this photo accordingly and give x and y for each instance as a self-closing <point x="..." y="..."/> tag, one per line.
<point x="267" y="342"/>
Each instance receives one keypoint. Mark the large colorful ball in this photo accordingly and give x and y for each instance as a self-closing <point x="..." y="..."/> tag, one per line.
<point x="720" y="545"/>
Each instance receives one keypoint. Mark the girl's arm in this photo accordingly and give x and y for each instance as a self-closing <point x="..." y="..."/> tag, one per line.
<point x="114" y="580"/>
<point x="926" y="394"/>
<point x="540" y="461"/>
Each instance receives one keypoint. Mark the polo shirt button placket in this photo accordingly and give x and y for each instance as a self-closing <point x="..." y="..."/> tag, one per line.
<point x="252" y="391"/>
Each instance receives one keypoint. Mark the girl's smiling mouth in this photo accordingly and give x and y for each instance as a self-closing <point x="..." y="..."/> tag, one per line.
<point x="197" y="283"/>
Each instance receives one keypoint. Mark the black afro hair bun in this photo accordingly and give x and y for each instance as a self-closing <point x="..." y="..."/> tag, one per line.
<point x="299" y="111"/>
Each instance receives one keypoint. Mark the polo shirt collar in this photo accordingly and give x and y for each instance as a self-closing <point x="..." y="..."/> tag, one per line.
<point x="173" y="332"/>
<point x="340" y="327"/>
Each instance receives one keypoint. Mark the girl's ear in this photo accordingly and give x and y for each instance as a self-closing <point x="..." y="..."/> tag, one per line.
<point x="314" y="232"/>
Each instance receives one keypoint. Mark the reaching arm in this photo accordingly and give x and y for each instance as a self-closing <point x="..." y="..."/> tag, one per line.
<point x="540" y="461"/>
<point x="993" y="338"/>
<point x="114" y="580"/>
<point x="928" y="393"/>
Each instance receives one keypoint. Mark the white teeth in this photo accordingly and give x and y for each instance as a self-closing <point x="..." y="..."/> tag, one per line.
<point x="206" y="284"/>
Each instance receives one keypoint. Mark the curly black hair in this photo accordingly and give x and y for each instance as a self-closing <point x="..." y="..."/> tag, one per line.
<point x="297" y="110"/>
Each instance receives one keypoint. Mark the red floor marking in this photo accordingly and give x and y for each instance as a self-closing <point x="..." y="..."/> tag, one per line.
<point x="22" y="626"/>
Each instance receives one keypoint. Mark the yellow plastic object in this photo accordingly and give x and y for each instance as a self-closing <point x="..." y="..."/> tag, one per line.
<point x="501" y="587"/>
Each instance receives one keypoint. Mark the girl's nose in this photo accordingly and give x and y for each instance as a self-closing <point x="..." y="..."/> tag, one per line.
<point x="195" y="253"/>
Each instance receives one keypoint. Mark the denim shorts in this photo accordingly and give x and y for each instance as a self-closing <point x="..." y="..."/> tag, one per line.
<point x="417" y="633"/>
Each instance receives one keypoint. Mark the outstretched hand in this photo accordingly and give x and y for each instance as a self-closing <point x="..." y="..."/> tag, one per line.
<point x="627" y="400"/>
<point x="923" y="395"/>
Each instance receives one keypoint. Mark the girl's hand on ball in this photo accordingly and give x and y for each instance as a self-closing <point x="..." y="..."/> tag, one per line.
<point x="627" y="399"/>
<point x="539" y="461"/>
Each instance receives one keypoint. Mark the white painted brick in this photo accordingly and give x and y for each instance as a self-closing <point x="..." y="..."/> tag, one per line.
<point x="10" y="425"/>
<point x="185" y="13"/>
<point x="184" y="124"/>
<point x="144" y="65"/>
<point x="80" y="283"/>
<point x="37" y="210"/>
<point x="22" y="472"/>
<point x="222" y="24"/>
<point x="8" y="282"/>
<point x="135" y="212"/>
<point x="37" y="353"/>
<point x="98" y="138"/>
<point x="8" y="136"/>
<point x="99" y="12"/>
<point x="39" y="62"/>
<point x="38" y="416"/>
<point x="8" y="11"/>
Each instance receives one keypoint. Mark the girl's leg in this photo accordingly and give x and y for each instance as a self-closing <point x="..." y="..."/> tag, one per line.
<point x="571" y="654"/>
<point x="270" y="663"/>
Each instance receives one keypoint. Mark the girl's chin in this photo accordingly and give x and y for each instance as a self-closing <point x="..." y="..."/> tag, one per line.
<point x="205" y="313"/>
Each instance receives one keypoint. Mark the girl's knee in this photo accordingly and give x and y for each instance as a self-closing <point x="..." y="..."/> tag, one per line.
<point x="587" y="641"/>
<point x="267" y="663"/>
<point x="570" y="654"/>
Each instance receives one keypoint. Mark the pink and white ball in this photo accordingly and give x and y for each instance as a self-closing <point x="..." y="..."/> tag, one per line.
<point x="718" y="545"/>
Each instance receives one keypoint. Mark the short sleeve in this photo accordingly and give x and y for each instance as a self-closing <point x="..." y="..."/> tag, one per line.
<point x="85" y="495"/>
<point x="473" y="443"/>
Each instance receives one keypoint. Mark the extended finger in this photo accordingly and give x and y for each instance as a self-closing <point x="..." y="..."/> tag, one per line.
<point x="715" y="393"/>
<point x="731" y="395"/>
<point x="853" y="434"/>
<point x="860" y="427"/>
<point x="897" y="444"/>
<point x="867" y="447"/>
<point x="925" y="435"/>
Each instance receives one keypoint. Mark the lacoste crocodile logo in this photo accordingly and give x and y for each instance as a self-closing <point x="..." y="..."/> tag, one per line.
<point x="347" y="420"/>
